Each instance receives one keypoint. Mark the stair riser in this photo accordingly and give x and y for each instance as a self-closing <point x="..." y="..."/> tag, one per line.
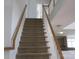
<point x="31" y="19"/>
<point x="21" y="42"/>
<point x="28" y="30"/>
<point x="33" y="30"/>
<point x="34" y="23"/>
<point x="28" y="51"/>
<point x="43" y="50"/>
<point x="34" y="27"/>
<point x="32" y="57"/>
<point x="32" y="34"/>
<point x="34" y="20"/>
<point x="36" y="44"/>
<point x="34" y="49"/>
<point x="25" y="45"/>
<point x="33" y="38"/>
<point x="33" y="44"/>
<point x="25" y="41"/>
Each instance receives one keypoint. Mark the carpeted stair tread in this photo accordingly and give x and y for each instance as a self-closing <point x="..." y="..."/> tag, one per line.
<point x="33" y="44"/>
<point x="34" y="54"/>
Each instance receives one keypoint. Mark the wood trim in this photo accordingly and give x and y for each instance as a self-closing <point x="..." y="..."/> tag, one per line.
<point x="16" y="31"/>
<point x="53" y="34"/>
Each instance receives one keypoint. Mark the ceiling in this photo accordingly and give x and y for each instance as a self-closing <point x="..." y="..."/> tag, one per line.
<point x="70" y="26"/>
<point x="65" y="18"/>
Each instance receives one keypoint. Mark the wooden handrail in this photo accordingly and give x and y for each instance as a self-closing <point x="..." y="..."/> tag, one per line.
<point x="16" y="31"/>
<point x="53" y="34"/>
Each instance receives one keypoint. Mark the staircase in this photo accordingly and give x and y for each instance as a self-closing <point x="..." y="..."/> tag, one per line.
<point x="33" y="44"/>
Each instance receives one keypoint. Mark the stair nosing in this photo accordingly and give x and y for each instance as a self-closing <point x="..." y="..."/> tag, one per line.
<point x="34" y="47"/>
<point x="23" y="41"/>
<point x="32" y="32"/>
<point x="34" y="36"/>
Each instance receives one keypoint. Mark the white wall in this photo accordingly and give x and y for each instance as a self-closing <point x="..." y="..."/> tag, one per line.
<point x="32" y="9"/>
<point x="69" y="54"/>
<point x="59" y="4"/>
<point x="51" y="7"/>
<point x="71" y="38"/>
<point x="11" y="54"/>
<point x="7" y="22"/>
<point x="18" y="6"/>
<point x="12" y="10"/>
<point x="6" y="54"/>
